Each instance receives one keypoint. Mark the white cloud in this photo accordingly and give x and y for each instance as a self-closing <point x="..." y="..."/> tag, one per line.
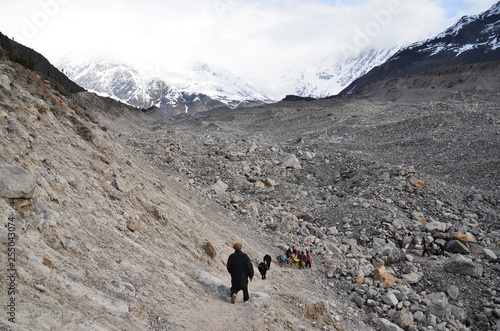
<point x="260" y="38"/>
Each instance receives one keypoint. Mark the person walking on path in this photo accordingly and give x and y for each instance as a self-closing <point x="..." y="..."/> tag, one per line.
<point x="241" y="269"/>
<point x="308" y="259"/>
<point x="425" y="249"/>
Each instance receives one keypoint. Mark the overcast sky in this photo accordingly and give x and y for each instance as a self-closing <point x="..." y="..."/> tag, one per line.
<point x="249" y="37"/>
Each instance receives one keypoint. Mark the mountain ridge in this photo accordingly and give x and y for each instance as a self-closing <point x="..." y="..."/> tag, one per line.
<point x="206" y="87"/>
<point x="473" y="39"/>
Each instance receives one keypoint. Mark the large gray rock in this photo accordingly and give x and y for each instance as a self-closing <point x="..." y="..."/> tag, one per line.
<point x="412" y="278"/>
<point x="390" y="300"/>
<point x="459" y="264"/>
<point x="403" y="318"/>
<point x="5" y="82"/>
<point x="434" y="227"/>
<point x="291" y="161"/>
<point x="439" y="308"/>
<point x="15" y="182"/>
<point x="386" y="325"/>
<point x="490" y="255"/>
<point x="455" y="246"/>
<point x="390" y="253"/>
<point x="290" y="223"/>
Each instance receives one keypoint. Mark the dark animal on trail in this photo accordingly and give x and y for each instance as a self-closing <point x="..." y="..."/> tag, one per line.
<point x="262" y="270"/>
<point x="267" y="260"/>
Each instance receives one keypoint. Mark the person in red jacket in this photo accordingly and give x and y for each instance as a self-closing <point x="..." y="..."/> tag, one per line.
<point x="241" y="269"/>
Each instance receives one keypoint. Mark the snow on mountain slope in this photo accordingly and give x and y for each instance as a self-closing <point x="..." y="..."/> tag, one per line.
<point x="202" y="88"/>
<point x="330" y="76"/>
<point x="469" y="33"/>
<point x="473" y="39"/>
<point x="205" y="87"/>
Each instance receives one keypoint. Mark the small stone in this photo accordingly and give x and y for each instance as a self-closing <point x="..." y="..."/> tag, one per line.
<point x="390" y="300"/>
<point x="120" y="184"/>
<point x="417" y="182"/>
<point x="39" y="286"/>
<point x="73" y="182"/>
<point x="221" y="186"/>
<point x="453" y="292"/>
<point x="490" y="255"/>
<point x="209" y="249"/>
<point x="116" y="194"/>
<point x="431" y="320"/>
<point x="133" y="225"/>
<point x="104" y="159"/>
<point x="48" y="263"/>
<point x="419" y="317"/>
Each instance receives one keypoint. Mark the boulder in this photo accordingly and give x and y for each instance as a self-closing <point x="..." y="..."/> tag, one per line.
<point x="15" y="182"/>
<point x="462" y="237"/>
<point x="390" y="300"/>
<point x="309" y="240"/>
<point x="384" y="277"/>
<point x="390" y="253"/>
<point x="333" y="249"/>
<point x="403" y="318"/>
<point x="221" y="186"/>
<point x="5" y="82"/>
<point x="455" y="246"/>
<point x="386" y="325"/>
<point x="291" y="161"/>
<point x="290" y="223"/>
<point x="412" y="278"/>
<point x="490" y="255"/>
<point x="440" y="309"/>
<point x="434" y="227"/>
<point x="459" y="264"/>
<point x="419" y="217"/>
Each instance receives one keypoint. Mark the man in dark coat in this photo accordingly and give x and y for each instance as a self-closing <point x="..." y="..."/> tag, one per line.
<point x="241" y="269"/>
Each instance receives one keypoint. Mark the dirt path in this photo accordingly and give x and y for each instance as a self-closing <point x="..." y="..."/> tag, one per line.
<point x="220" y="314"/>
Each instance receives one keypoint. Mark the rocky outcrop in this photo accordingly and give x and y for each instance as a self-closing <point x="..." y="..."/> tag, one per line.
<point x="30" y="59"/>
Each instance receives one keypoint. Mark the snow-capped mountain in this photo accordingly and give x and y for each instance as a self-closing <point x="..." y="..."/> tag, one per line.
<point x="473" y="39"/>
<point x="202" y="88"/>
<point x="330" y="76"/>
<point x="206" y="87"/>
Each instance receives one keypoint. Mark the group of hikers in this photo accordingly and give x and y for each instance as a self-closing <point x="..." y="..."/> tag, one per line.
<point x="240" y="267"/>
<point x="293" y="256"/>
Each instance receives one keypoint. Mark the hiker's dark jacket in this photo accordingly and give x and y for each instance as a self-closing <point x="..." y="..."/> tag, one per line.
<point x="241" y="269"/>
